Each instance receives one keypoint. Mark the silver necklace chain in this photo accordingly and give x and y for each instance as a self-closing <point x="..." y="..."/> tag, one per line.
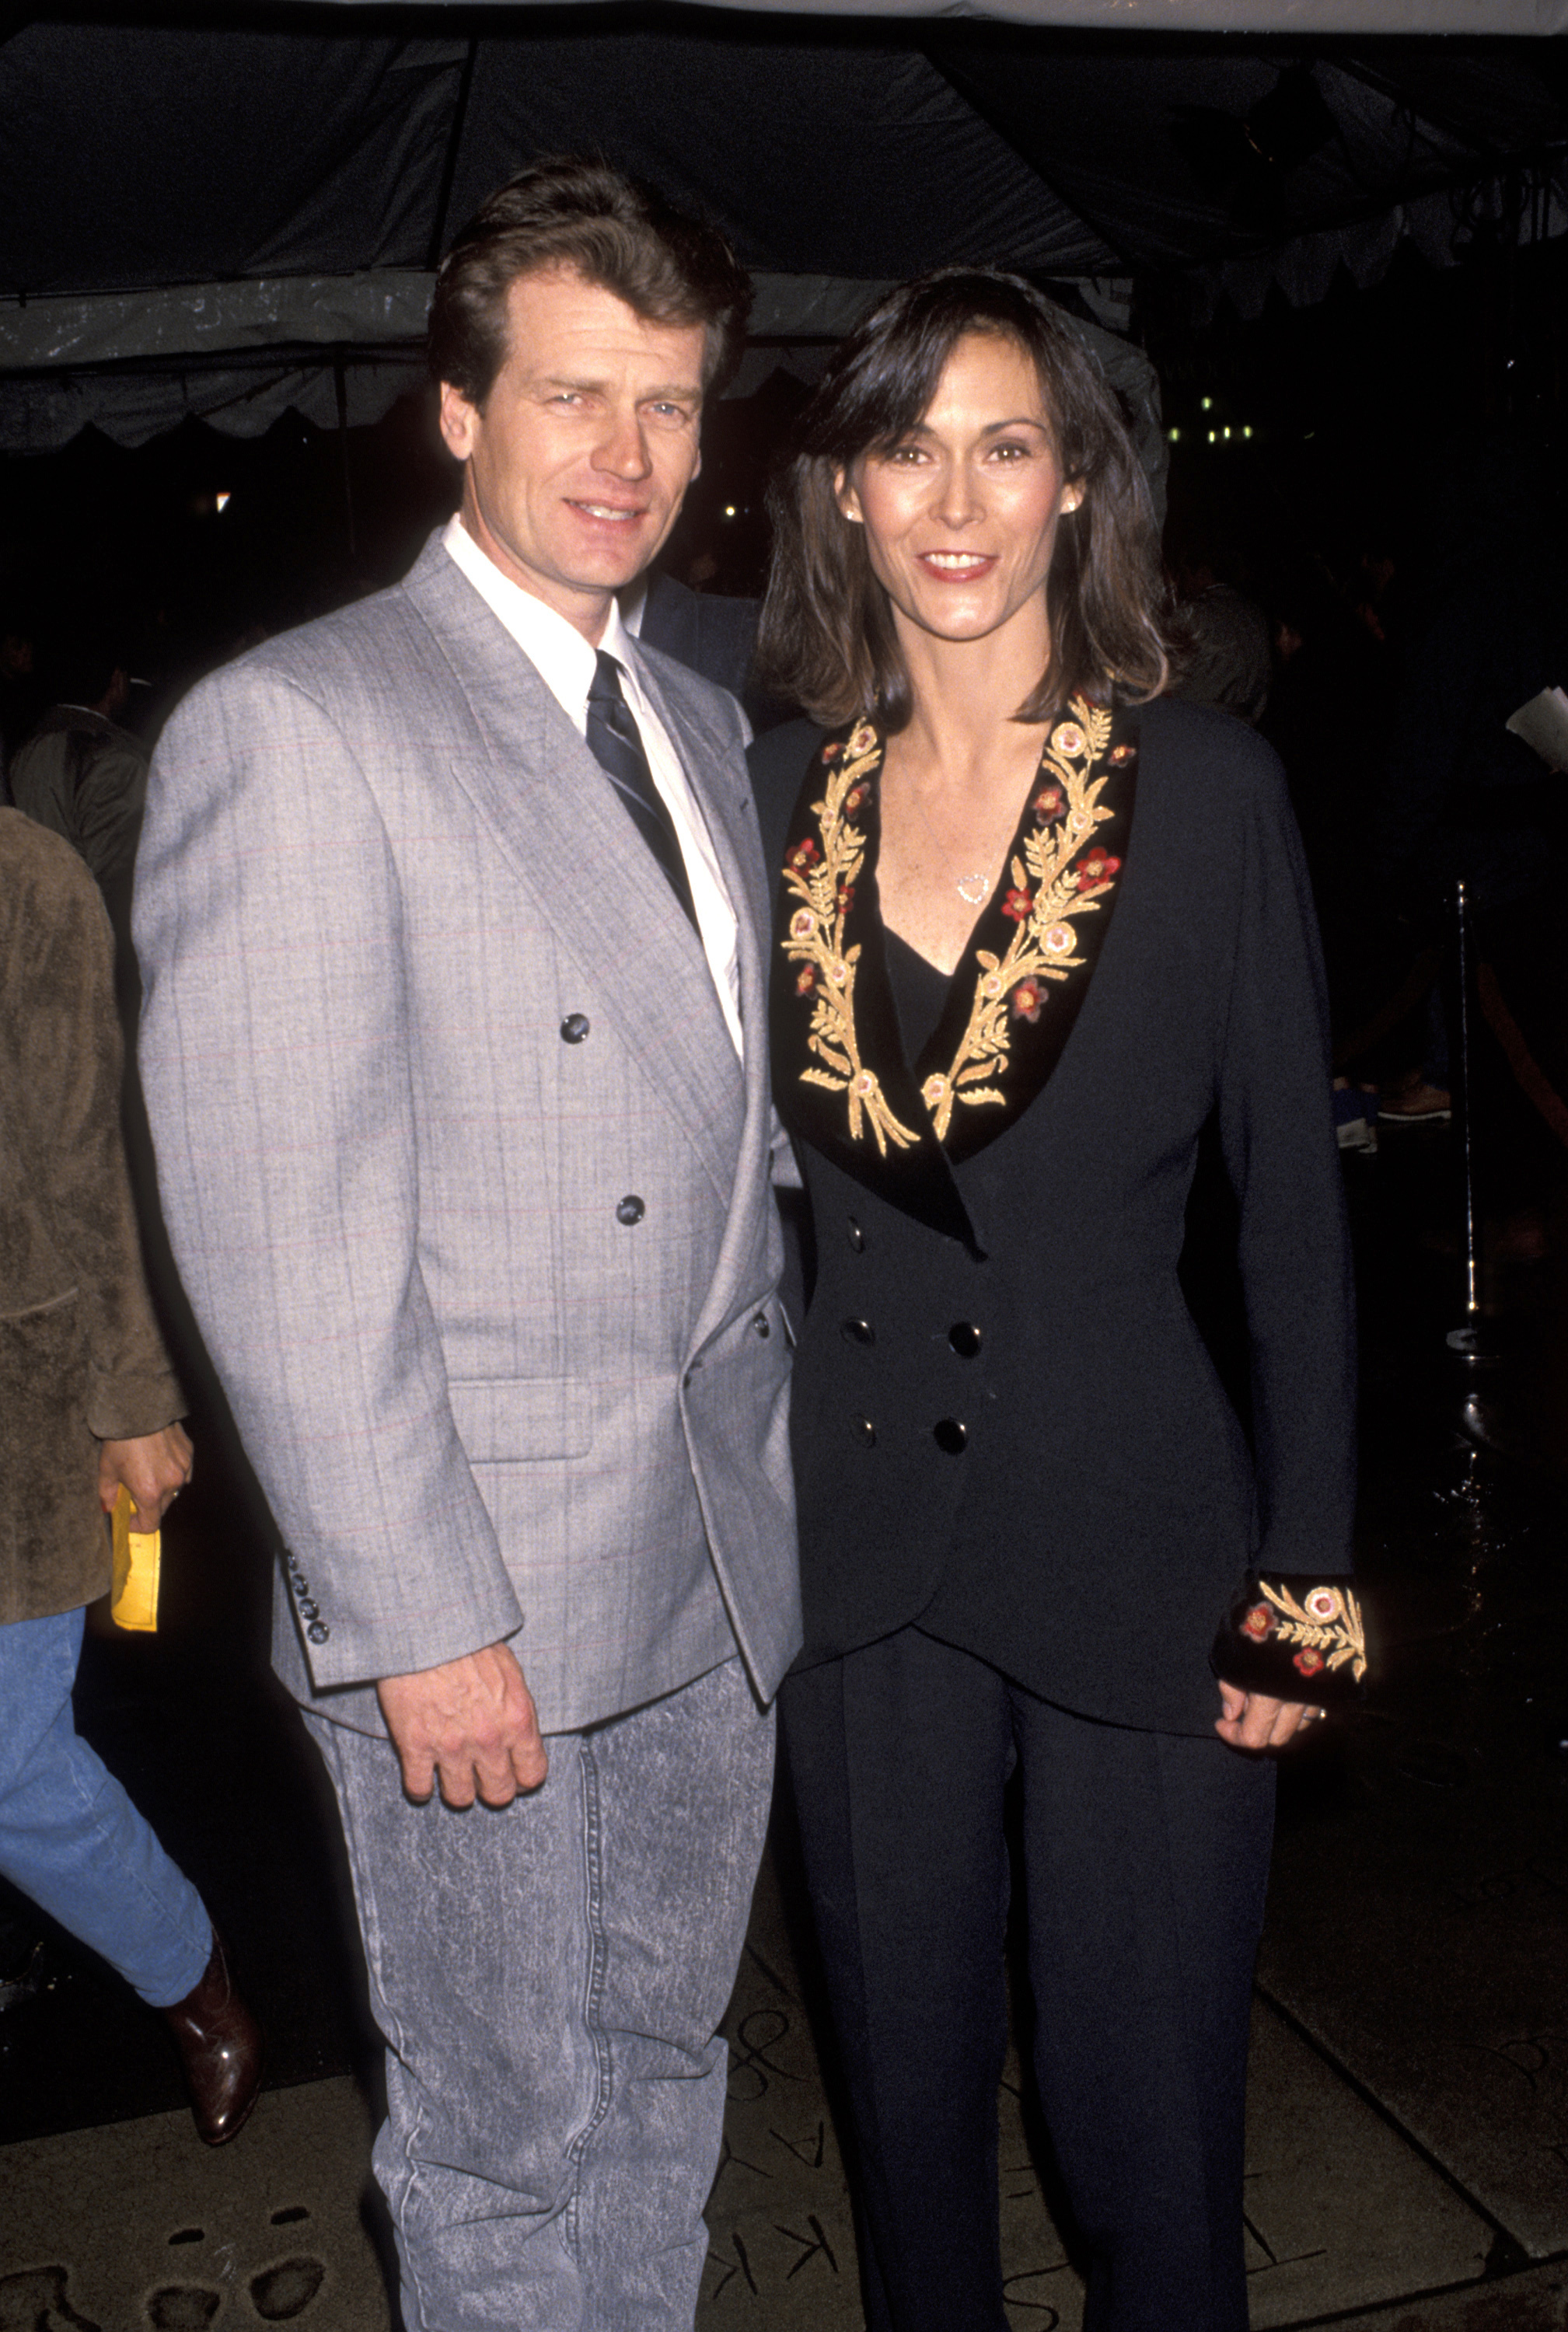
<point x="973" y="889"/>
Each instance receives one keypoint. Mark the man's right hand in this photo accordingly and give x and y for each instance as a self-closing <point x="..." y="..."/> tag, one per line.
<point x="470" y="1723"/>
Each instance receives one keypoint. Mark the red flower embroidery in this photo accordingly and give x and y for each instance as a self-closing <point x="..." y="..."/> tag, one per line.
<point x="1095" y="870"/>
<point x="1026" y="999"/>
<point x="853" y="799"/>
<point x="802" y="856"/>
<point x="1120" y="753"/>
<point x="829" y="751"/>
<point x="1308" y="1662"/>
<point x="1259" y="1622"/>
<point x="805" y="980"/>
<point x="1049" y="804"/>
<point x="1018" y="905"/>
<point x="846" y="898"/>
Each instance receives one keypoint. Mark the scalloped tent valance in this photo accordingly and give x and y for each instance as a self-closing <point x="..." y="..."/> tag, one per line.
<point x="228" y="220"/>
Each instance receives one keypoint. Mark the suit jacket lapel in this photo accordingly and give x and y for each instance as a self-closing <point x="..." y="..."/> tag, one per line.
<point x="718" y="778"/>
<point x="555" y="819"/>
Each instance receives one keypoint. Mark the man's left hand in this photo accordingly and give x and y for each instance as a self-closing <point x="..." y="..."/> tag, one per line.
<point x="153" y="1467"/>
<point x="1253" y="1721"/>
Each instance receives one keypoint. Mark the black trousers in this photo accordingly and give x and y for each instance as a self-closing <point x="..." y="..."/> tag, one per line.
<point x="1145" y="1862"/>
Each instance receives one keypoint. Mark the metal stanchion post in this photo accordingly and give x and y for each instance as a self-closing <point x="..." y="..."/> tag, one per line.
<point x="1468" y="1340"/>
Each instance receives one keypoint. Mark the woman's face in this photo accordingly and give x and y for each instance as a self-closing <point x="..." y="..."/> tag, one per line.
<point x="961" y="514"/>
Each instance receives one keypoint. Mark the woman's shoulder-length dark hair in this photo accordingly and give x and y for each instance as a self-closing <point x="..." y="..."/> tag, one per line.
<point x="828" y="639"/>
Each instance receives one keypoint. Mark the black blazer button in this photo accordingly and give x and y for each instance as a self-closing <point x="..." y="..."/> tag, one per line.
<point x="302" y="1587"/>
<point x="858" y="1331"/>
<point x="965" y="1338"/>
<point x="630" y="1211"/>
<point x="763" y="1326"/>
<point x="318" y="1631"/>
<point x="574" y="1027"/>
<point x="863" y="1432"/>
<point x="856" y="1236"/>
<point x="309" y="1611"/>
<point x="951" y="1437"/>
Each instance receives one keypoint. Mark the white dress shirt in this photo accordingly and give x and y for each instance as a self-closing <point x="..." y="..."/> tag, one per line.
<point x="567" y="663"/>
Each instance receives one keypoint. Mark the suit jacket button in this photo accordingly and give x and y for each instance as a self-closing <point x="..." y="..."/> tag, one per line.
<point x="630" y="1211"/>
<point x="863" y="1432"/>
<point x="858" y="1331"/>
<point x="302" y="1587"/>
<point x="951" y="1435"/>
<point x="574" y="1027"/>
<point x="763" y="1326"/>
<point x="965" y="1338"/>
<point x="309" y="1611"/>
<point x="856" y="1236"/>
<point x="318" y="1631"/>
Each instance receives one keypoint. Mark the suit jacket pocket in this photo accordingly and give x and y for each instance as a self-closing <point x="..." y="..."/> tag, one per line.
<point x="503" y="1420"/>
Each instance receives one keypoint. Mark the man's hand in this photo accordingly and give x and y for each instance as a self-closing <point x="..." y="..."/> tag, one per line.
<point x="153" y="1467"/>
<point x="1252" y="1721"/>
<point x="472" y="1723"/>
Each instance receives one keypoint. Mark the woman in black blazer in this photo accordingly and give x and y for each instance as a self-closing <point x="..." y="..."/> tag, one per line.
<point x="1038" y="927"/>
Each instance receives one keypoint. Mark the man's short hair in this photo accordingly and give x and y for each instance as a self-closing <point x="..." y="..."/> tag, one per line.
<point x="616" y="233"/>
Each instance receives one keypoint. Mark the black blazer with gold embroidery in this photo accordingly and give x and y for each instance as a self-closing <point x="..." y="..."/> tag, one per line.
<point x="1006" y="1425"/>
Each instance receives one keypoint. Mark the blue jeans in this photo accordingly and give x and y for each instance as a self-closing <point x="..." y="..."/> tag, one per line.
<point x="550" y="1979"/>
<point x="71" y="1839"/>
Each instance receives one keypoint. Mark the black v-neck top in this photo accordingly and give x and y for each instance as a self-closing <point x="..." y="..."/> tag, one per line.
<point x="919" y="993"/>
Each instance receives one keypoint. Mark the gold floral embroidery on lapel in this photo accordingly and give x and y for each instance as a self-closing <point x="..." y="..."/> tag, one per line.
<point x="1061" y="874"/>
<point x="1058" y="872"/>
<point x="822" y="876"/>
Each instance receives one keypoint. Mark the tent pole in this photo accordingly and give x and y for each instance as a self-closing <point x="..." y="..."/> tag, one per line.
<point x="341" y="383"/>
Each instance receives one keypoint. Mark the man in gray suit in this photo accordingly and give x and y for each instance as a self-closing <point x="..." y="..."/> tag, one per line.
<point x="453" y="916"/>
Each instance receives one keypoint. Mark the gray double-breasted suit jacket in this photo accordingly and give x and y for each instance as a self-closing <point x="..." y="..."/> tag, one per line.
<point x="468" y="1188"/>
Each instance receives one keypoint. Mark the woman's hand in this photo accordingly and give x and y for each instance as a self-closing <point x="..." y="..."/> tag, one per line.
<point x="1253" y="1721"/>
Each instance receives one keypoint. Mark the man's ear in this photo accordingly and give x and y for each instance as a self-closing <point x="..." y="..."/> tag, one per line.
<point x="459" y="422"/>
<point x="848" y="501"/>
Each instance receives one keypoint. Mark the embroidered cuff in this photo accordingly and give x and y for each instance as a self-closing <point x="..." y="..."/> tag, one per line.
<point x="1295" y="1638"/>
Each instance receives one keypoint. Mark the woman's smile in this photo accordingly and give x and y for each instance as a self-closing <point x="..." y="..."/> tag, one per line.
<point x="957" y="566"/>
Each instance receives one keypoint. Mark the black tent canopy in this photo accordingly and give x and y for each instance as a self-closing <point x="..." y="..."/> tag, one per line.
<point x="230" y="220"/>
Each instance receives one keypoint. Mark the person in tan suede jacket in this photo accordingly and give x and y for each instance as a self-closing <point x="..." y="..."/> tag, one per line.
<point x="90" y="1402"/>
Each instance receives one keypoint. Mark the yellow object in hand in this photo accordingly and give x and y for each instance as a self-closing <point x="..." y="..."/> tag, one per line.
<point x="133" y="1598"/>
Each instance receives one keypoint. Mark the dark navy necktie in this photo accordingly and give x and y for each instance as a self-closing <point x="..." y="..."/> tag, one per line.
<point x="616" y="745"/>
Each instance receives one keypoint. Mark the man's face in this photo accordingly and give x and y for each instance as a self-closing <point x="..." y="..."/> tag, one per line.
<point x="578" y="461"/>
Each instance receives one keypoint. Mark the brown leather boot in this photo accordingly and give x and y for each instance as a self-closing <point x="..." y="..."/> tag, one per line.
<point x="220" y="2045"/>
